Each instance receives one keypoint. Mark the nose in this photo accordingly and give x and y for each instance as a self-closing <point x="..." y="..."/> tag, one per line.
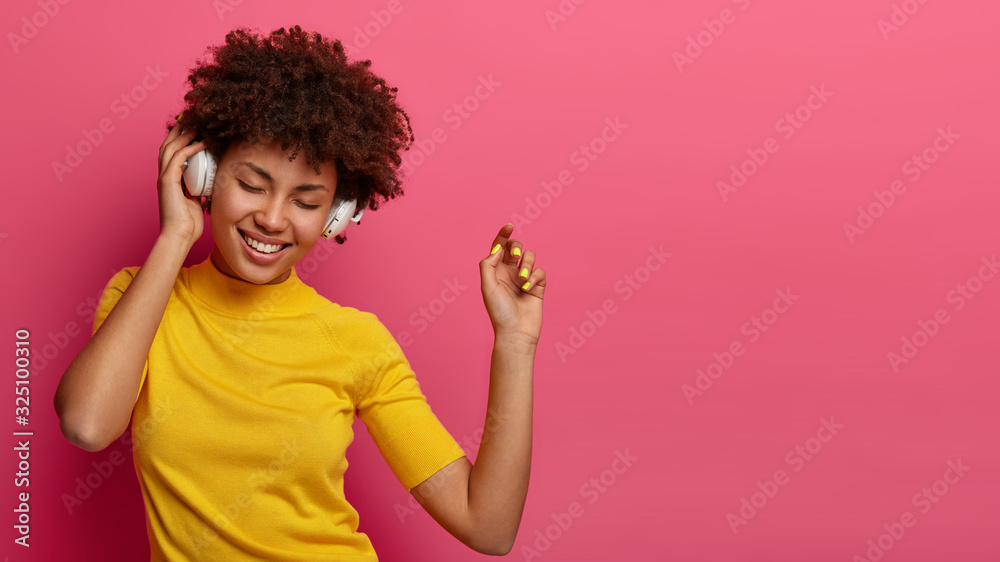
<point x="270" y="216"/>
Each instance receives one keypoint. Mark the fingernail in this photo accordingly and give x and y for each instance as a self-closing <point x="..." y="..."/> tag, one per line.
<point x="510" y="224"/>
<point x="495" y="249"/>
<point x="180" y="115"/>
<point x="526" y="285"/>
<point x="524" y="272"/>
<point x="516" y="251"/>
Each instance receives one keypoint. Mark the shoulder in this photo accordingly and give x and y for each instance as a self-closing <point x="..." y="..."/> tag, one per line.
<point x="354" y="329"/>
<point x="125" y="275"/>
<point x="347" y="317"/>
<point x="121" y="280"/>
<point x="112" y="293"/>
<point x="363" y="342"/>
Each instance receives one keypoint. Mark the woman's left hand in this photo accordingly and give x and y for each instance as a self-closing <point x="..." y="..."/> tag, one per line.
<point x="514" y="310"/>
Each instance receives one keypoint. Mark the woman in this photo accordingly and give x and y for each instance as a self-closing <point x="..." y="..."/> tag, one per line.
<point x="240" y="380"/>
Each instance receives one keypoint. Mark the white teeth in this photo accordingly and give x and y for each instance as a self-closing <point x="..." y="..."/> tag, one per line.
<point x="264" y="248"/>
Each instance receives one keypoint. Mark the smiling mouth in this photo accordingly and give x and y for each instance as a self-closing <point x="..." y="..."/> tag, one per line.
<point x="262" y="248"/>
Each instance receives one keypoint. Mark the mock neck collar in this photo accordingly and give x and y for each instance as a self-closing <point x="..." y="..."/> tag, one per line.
<point x="238" y="297"/>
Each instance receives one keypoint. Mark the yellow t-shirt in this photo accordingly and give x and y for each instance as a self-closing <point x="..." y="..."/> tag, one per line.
<point x="244" y="415"/>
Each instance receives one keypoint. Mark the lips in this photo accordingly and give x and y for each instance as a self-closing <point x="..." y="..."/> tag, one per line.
<point x="263" y="239"/>
<point x="262" y="252"/>
<point x="262" y="257"/>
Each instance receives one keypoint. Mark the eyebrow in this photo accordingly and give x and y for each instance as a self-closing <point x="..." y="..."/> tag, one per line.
<point x="263" y="173"/>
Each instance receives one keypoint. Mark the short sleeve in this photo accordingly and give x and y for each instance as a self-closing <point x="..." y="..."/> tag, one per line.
<point x="113" y="291"/>
<point x="411" y="438"/>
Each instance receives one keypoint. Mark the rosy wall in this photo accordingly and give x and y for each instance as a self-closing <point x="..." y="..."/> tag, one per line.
<point x="655" y="269"/>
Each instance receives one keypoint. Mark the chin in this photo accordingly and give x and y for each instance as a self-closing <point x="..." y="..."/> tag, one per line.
<point x="258" y="279"/>
<point x="261" y="274"/>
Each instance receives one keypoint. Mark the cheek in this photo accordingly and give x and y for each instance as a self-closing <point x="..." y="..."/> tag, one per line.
<point x="318" y="221"/>
<point x="231" y="207"/>
<point x="310" y="231"/>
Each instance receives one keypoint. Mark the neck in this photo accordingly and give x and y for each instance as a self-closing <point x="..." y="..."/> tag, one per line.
<point x="234" y="295"/>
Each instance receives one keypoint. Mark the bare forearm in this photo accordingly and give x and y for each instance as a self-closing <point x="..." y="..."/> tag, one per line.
<point x="498" y="483"/>
<point x="97" y="391"/>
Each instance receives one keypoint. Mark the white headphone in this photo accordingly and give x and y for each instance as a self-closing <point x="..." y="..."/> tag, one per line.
<point x="199" y="175"/>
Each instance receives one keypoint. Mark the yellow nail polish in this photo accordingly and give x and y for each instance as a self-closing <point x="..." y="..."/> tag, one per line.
<point x="516" y="251"/>
<point x="526" y="285"/>
<point x="495" y="249"/>
<point x="524" y="272"/>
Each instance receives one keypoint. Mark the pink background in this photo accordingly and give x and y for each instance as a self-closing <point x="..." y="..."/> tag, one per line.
<point x="827" y="356"/>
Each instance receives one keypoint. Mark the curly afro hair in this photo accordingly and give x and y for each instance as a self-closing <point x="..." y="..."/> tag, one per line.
<point x="299" y="89"/>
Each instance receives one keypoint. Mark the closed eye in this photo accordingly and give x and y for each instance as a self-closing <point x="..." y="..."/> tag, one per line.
<point x="248" y="187"/>
<point x="252" y="189"/>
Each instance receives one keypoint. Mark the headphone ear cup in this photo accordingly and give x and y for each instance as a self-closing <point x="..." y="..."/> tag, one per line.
<point x="210" y="168"/>
<point x="199" y="175"/>
<point x="341" y="214"/>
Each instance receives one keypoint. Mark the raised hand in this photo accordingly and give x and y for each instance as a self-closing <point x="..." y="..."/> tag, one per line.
<point x="180" y="214"/>
<point x="512" y="288"/>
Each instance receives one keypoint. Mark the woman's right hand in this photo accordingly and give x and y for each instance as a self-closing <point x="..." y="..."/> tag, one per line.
<point x="181" y="215"/>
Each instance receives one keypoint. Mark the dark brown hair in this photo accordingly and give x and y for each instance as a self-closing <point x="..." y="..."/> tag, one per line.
<point x="299" y="89"/>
